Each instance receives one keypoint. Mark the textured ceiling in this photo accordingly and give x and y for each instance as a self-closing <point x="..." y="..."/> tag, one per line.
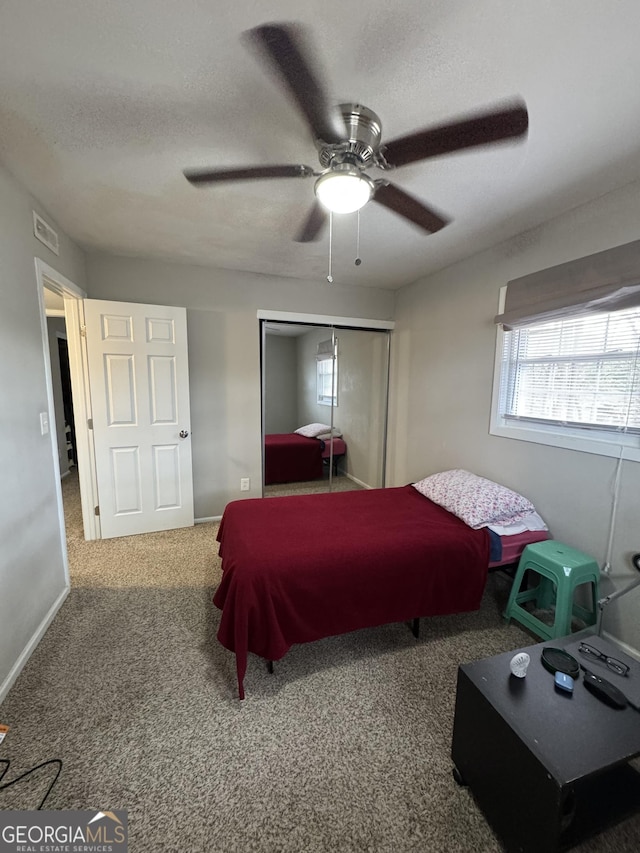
<point x="103" y="104"/>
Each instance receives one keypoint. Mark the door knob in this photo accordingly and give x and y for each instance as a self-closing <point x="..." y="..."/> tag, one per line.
<point x="184" y="433"/>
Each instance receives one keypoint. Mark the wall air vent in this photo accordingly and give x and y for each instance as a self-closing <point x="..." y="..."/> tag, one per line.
<point x="45" y="233"/>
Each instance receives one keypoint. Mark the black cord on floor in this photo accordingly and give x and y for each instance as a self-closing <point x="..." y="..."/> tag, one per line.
<point x="6" y="762"/>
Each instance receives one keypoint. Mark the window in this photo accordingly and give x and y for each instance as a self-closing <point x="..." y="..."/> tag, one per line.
<point x="327" y="382"/>
<point x="573" y="382"/>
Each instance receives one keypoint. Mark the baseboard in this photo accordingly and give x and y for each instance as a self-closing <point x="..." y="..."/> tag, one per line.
<point x="208" y="519"/>
<point x="356" y="480"/>
<point x="634" y="653"/>
<point x="28" y="650"/>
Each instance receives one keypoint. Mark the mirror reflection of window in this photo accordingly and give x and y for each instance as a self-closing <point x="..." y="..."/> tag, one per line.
<point x="327" y="374"/>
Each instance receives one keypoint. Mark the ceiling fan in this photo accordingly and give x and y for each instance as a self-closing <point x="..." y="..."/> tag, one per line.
<point x="348" y="138"/>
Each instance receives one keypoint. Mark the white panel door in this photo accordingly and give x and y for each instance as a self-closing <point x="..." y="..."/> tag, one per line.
<point x="139" y="380"/>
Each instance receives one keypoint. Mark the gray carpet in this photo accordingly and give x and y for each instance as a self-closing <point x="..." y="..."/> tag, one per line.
<point x="339" y="483"/>
<point x="345" y="748"/>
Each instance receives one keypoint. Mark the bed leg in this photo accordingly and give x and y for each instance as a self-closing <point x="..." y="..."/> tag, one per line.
<point x="415" y="627"/>
<point x="270" y="667"/>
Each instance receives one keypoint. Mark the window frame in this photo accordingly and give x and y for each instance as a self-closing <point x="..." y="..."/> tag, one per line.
<point x="586" y="440"/>
<point x="321" y="399"/>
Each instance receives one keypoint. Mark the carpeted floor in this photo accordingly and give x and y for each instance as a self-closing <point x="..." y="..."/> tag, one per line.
<point x="344" y="749"/>
<point x="339" y="483"/>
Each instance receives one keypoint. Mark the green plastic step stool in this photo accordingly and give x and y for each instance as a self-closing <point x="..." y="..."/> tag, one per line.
<point x="560" y="570"/>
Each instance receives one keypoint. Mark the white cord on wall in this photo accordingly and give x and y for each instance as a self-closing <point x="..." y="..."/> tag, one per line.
<point x="616" y="481"/>
<point x="614" y="510"/>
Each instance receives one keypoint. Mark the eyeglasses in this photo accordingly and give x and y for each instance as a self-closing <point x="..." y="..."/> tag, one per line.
<point x="613" y="664"/>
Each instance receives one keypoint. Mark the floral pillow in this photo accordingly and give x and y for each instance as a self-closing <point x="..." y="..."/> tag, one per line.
<point x="313" y="430"/>
<point x="475" y="500"/>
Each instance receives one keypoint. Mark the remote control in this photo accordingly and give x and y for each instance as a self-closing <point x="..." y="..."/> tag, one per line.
<point x="604" y="690"/>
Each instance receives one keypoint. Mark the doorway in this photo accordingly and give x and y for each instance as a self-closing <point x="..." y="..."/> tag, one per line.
<point x="67" y="401"/>
<point x="60" y="298"/>
<point x="62" y="418"/>
<point x="124" y="358"/>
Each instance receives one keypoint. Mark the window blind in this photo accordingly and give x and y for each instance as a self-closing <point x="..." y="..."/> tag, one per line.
<point x="325" y="350"/>
<point x="582" y="371"/>
<point x="605" y="281"/>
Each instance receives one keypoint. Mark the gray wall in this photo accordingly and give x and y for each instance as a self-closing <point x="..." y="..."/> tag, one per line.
<point x="224" y="353"/>
<point x="32" y="575"/>
<point x="281" y="384"/>
<point x="362" y="382"/>
<point x="444" y="347"/>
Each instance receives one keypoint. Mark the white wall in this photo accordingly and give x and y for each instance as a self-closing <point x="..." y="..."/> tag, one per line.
<point x="443" y="350"/>
<point x="224" y="352"/>
<point x="32" y="557"/>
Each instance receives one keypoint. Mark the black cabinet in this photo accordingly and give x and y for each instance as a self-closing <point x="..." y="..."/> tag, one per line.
<point x="547" y="768"/>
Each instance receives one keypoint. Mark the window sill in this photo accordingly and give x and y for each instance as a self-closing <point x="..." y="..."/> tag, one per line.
<point x="626" y="446"/>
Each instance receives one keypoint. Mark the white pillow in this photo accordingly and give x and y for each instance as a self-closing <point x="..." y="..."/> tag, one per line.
<point x="475" y="500"/>
<point x="327" y="435"/>
<point x="518" y="524"/>
<point x="313" y="430"/>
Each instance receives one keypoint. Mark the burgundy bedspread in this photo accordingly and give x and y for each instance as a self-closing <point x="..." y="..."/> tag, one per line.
<point x="339" y="447"/>
<point x="513" y="546"/>
<point x="290" y="458"/>
<point x="296" y="569"/>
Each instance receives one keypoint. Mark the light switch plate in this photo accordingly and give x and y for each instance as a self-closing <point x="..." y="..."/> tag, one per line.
<point x="44" y="423"/>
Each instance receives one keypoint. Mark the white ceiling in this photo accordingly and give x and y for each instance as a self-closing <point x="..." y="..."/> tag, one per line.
<point x="53" y="303"/>
<point x="286" y="330"/>
<point x="103" y="104"/>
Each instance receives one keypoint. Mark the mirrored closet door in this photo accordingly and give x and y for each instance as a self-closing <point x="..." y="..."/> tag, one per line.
<point x="324" y="404"/>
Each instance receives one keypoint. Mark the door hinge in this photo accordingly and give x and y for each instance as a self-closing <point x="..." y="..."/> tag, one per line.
<point x="97" y="510"/>
<point x="90" y="423"/>
<point x="83" y="331"/>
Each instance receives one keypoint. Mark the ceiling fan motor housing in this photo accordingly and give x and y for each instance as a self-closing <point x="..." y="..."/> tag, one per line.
<point x="363" y="131"/>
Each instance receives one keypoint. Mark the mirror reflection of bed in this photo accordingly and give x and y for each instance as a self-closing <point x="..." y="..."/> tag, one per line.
<point x="330" y="377"/>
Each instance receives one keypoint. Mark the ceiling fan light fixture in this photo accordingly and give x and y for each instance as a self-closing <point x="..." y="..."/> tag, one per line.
<point x="344" y="191"/>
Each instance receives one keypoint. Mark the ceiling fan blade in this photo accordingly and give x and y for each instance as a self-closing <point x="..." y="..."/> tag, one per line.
<point x="250" y="173"/>
<point x="283" y="46"/>
<point x="484" y="129"/>
<point x="401" y="202"/>
<point x="313" y="226"/>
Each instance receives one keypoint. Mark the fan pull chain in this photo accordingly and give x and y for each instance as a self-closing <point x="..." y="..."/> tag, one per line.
<point x="358" y="261"/>
<point x="330" y="277"/>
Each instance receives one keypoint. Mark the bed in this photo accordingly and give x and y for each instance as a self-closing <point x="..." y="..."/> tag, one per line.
<point x="333" y="451"/>
<point x="392" y="555"/>
<point x="294" y="457"/>
<point x="291" y="458"/>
